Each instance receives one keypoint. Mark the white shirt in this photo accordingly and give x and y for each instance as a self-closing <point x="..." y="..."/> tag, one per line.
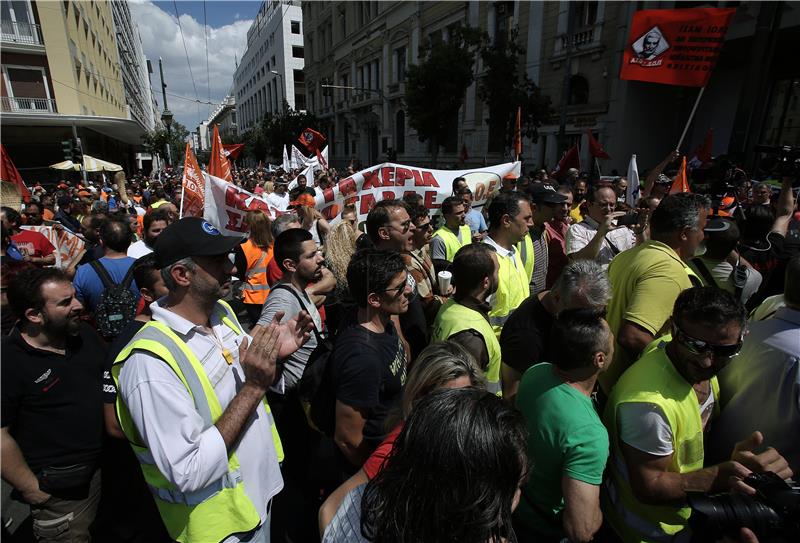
<point x="187" y="454"/>
<point x="579" y="235"/>
<point x="138" y="249"/>
<point x="281" y="203"/>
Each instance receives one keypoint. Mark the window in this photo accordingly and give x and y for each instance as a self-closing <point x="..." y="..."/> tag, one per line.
<point x="400" y="73"/>
<point x="504" y="20"/>
<point x="295" y="27"/>
<point x="27" y="88"/>
<point x="585" y="13"/>
<point x="400" y="132"/>
<point x="578" y="90"/>
<point x="343" y="19"/>
<point x="297" y="51"/>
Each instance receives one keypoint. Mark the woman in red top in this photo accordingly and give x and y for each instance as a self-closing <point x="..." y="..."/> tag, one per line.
<point x="443" y="364"/>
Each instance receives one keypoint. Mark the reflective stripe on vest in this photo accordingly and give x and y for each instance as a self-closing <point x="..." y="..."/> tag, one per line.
<point x="221" y="508"/>
<point x="512" y="289"/>
<point x="255" y="288"/>
<point x="453" y="318"/>
<point x="632" y="519"/>
<point x="527" y="255"/>
<point x="451" y="242"/>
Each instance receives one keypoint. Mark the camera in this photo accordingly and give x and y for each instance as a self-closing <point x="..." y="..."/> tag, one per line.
<point x="629" y="219"/>
<point x="779" y="162"/>
<point x="773" y="514"/>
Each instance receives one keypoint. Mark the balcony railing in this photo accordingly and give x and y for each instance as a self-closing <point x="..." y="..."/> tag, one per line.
<point x="583" y="38"/>
<point x="24" y="33"/>
<point x="28" y="105"/>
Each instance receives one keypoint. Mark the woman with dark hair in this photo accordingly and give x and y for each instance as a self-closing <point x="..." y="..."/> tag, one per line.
<point x="453" y="475"/>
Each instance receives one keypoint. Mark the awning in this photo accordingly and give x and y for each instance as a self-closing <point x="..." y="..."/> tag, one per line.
<point x="66" y="165"/>
<point x="91" y="164"/>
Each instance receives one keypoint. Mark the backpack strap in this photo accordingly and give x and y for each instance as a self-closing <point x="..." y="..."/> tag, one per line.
<point x="283" y="286"/>
<point x="102" y="273"/>
<point x="128" y="279"/>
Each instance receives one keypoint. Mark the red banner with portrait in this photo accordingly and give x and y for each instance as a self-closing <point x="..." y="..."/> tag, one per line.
<point x="675" y="46"/>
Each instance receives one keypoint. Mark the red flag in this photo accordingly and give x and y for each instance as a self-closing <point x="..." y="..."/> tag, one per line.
<point x="218" y="164"/>
<point x="313" y="140"/>
<point x="10" y="174"/>
<point x="675" y="46"/>
<point x="194" y="186"/>
<point x="464" y="155"/>
<point x="595" y="149"/>
<point x="518" y="134"/>
<point x="571" y="159"/>
<point x="232" y="150"/>
<point x="680" y="183"/>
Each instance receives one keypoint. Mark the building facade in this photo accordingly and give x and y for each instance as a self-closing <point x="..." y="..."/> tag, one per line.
<point x="270" y="76"/>
<point x="134" y="66"/>
<point x="573" y="52"/>
<point x="63" y="79"/>
<point x="225" y="117"/>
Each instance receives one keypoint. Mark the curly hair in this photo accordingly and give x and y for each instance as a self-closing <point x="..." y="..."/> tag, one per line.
<point x="372" y="270"/>
<point x="452" y="474"/>
<point x="340" y="246"/>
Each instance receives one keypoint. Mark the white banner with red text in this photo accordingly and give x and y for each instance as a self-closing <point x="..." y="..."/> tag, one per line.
<point x="68" y="246"/>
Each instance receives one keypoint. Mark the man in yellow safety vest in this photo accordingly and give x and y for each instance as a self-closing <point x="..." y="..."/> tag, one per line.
<point x="191" y="394"/>
<point x="452" y="235"/>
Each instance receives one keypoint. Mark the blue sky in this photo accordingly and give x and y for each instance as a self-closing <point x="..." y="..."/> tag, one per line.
<point x="219" y="13"/>
<point x="226" y="33"/>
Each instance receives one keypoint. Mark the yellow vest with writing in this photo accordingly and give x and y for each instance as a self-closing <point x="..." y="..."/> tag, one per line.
<point x="454" y="318"/>
<point x="653" y="379"/>
<point x="222" y="508"/>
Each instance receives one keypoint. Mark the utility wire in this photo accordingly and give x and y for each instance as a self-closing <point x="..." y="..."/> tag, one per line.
<point x="185" y="49"/>
<point x="208" y="73"/>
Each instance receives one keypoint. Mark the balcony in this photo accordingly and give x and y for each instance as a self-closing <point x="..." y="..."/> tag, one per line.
<point x="21" y="33"/>
<point x="582" y="41"/>
<point x="12" y="104"/>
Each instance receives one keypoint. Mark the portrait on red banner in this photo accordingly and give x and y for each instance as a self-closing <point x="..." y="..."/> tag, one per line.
<point x="675" y="46"/>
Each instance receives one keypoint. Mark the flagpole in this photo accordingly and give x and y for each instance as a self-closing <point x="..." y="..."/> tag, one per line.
<point x="691" y="116"/>
<point x="183" y="192"/>
<point x="597" y="165"/>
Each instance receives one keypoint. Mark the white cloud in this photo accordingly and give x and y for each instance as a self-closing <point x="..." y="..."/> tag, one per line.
<point x="162" y="38"/>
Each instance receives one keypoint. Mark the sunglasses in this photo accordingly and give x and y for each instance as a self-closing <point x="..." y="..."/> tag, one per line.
<point x="425" y="227"/>
<point x="398" y="291"/>
<point x="699" y="347"/>
<point x="404" y="226"/>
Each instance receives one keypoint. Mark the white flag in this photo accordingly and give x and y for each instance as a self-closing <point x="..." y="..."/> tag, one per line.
<point x="286" y="165"/>
<point x="632" y="193"/>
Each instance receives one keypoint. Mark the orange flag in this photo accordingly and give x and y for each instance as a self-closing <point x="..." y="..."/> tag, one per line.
<point x="680" y="183"/>
<point x="518" y="133"/>
<point x="194" y="193"/>
<point x="218" y="164"/>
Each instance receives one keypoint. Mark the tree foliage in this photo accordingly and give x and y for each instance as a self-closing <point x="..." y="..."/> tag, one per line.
<point x="506" y="87"/>
<point x="155" y="142"/>
<point x="435" y="88"/>
<point x="281" y="129"/>
<point x="255" y="143"/>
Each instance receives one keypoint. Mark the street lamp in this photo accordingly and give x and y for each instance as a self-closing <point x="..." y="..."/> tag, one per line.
<point x="283" y="89"/>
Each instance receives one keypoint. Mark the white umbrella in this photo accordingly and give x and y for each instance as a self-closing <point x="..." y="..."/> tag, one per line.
<point x="66" y="165"/>
<point x="91" y="164"/>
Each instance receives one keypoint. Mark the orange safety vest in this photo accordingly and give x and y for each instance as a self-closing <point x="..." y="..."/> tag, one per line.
<point x="256" y="288"/>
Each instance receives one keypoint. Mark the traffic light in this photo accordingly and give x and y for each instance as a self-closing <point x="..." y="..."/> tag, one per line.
<point x="78" y="153"/>
<point x="68" y="149"/>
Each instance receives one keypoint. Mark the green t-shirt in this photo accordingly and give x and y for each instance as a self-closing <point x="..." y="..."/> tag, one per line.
<point x="565" y="437"/>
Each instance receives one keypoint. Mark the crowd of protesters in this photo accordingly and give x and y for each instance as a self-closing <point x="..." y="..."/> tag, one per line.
<point x="560" y="363"/>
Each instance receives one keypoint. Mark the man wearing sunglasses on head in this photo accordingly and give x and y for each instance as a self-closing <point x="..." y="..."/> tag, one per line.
<point x="657" y="416"/>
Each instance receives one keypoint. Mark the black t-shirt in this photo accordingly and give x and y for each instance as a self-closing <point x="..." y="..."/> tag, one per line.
<point x="525" y="339"/>
<point x="52" y="404"/>
<point x="124" y="337"/>
<point x="369" y="371"/>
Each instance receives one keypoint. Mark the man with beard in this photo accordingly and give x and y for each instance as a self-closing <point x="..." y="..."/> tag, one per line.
<point x="191" y="388"/>
<point x="153" y="224"/>
<point x="52" y="414"/>
<point x="301" y="261"/>
<point x="465" y="318"/>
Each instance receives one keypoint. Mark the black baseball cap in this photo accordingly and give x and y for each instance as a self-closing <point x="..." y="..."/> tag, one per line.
<point x="545" y="194"/>
<point x="192" y="236"/>
<point x="717" y="224"/>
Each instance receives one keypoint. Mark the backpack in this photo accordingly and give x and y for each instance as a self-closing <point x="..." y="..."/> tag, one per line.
<point x="314" y="389"/>
<point x="738" y="277"/>
<point x="117" y="306"/>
